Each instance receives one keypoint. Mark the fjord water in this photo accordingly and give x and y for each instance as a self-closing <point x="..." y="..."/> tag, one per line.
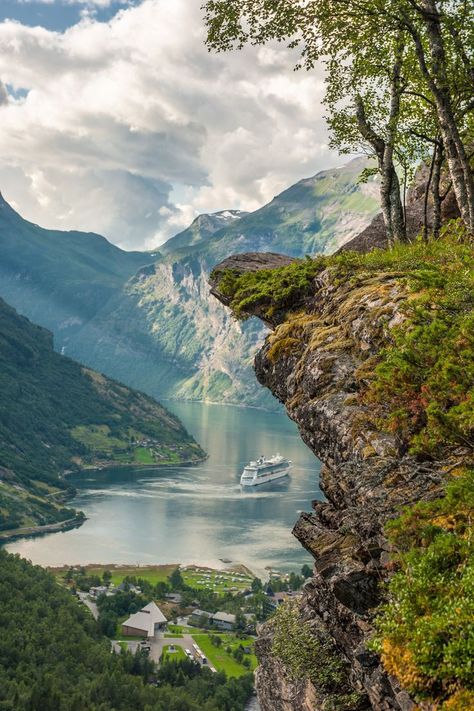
<point x="194" y="514"/>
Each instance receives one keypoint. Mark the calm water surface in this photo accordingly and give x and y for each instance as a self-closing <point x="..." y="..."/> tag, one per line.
<point x="194" y="514"/>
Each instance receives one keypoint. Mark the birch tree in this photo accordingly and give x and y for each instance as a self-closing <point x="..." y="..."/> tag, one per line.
<point x="439" y="34"/>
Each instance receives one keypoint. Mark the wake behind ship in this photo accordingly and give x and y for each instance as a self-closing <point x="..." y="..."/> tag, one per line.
<point x="264" y="470"/>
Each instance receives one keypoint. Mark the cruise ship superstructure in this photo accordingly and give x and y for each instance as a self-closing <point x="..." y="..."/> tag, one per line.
<point x="264" y="470"/>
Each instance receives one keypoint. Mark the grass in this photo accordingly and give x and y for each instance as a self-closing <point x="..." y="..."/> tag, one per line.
<point x="98" y="438"/>
<point x="178" y="630"/>
<point x="270" y="290"/>
<point x="422" y="388"/>
<point x="143" y="455"/>
<point x="151" y="573"/>
<point x="426" y="629"/>
<point x="219" y="658"/>
<point x="220" y="581"/>
<point x="176" y="656"/>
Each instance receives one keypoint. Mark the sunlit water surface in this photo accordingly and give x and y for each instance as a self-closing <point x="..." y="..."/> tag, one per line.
<point x="194" y="514"/>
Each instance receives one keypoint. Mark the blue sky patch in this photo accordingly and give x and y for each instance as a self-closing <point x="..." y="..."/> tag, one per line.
<point x="59" y="14"/>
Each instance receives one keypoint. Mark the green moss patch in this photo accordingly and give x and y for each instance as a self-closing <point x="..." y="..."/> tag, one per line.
<point x="310" y="655"/>
<point x="268" y="290"/>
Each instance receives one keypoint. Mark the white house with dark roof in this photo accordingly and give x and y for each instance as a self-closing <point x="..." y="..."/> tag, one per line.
<point x="146" y="623"/>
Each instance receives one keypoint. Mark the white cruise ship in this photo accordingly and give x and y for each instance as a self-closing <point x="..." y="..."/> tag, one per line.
<point x="264" y="470"/>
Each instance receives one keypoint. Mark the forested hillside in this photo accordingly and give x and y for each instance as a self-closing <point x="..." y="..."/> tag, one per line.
<point x="53" y="658"/>
<point x="56" y="415"/>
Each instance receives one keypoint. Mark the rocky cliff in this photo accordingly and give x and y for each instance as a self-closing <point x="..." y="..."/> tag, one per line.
<point x="316" y="361"/>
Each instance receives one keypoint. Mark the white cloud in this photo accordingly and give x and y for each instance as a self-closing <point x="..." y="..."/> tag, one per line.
<point x="130" y="127"/>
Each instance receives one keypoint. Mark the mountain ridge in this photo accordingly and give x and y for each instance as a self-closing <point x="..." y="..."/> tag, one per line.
<point x="153" y="323"/>
<point x="203" y="353"/>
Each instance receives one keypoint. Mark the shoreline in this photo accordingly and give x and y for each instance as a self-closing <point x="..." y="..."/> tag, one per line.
<point x="239" y="405"/>
<point x="233" y="566"/>
<point x="134" y="465"/>
<point x="36" y="531"/>
<point x="9" y="536"/>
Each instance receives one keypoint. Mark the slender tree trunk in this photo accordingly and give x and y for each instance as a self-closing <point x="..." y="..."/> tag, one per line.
<point x="398" y="222"/>
<point x="396" y="206"/>
<point x="460" y="170"/>
<point x="386" y="198"/>
<point x="391" y="203"/>
<point x="390" y="199"/>
<point x="435" y="188"/>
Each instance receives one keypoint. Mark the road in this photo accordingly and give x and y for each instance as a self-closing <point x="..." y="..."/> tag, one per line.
<point x="158" y="644"/>
<point x="84" y="598"/>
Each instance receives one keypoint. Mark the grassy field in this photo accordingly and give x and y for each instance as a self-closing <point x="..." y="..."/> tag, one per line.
<point x="219" y="581"/>
<point x="172" y="656"/>
<point x="143" y="455"/>
<point x="201" y="578"/>
<point x="152" y="573"/>
<point x="180" y="629"/>
<point x="220" y="658"/>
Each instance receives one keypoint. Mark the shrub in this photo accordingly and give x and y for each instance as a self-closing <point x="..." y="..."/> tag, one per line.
<point x="425" y="631"/>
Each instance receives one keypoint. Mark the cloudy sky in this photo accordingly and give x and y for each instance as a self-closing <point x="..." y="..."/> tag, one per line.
<point x="114" y="118"/>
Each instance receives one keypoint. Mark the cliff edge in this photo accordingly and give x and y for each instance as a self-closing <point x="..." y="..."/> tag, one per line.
<point x="334" y="320"/>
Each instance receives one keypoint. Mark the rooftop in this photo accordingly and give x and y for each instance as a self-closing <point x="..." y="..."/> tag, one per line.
<point x="224" y="617"/>
<point x="146" y="619"/>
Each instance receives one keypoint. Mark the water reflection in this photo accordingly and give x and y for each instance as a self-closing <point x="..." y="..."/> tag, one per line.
<point x="197" y="514"/>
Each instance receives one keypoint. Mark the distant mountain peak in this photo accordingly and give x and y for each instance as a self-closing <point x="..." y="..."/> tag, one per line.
<point x="202" y="227"/>
<point x="220" y="217"/>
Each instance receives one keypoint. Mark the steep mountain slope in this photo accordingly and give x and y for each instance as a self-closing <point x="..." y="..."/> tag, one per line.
<point x="56" y="415"/>
<point x="59" y="279"/>
<point x="163" y="332"/>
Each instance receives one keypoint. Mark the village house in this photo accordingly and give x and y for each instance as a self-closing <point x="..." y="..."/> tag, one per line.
<point x="223" y="620"/>
<point x="200" y="617"/>
<point x="174" y="597"/>
<point x="220" y="620"/>
<point x="128" y="587"/>
<point x="278" y="598"/>
<point x="145" y="623"/>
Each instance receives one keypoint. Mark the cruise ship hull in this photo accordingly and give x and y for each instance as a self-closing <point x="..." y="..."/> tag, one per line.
<point x="271" y="476"/>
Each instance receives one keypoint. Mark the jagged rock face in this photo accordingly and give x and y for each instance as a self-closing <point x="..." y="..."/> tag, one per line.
<point x="313" y="362"/>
